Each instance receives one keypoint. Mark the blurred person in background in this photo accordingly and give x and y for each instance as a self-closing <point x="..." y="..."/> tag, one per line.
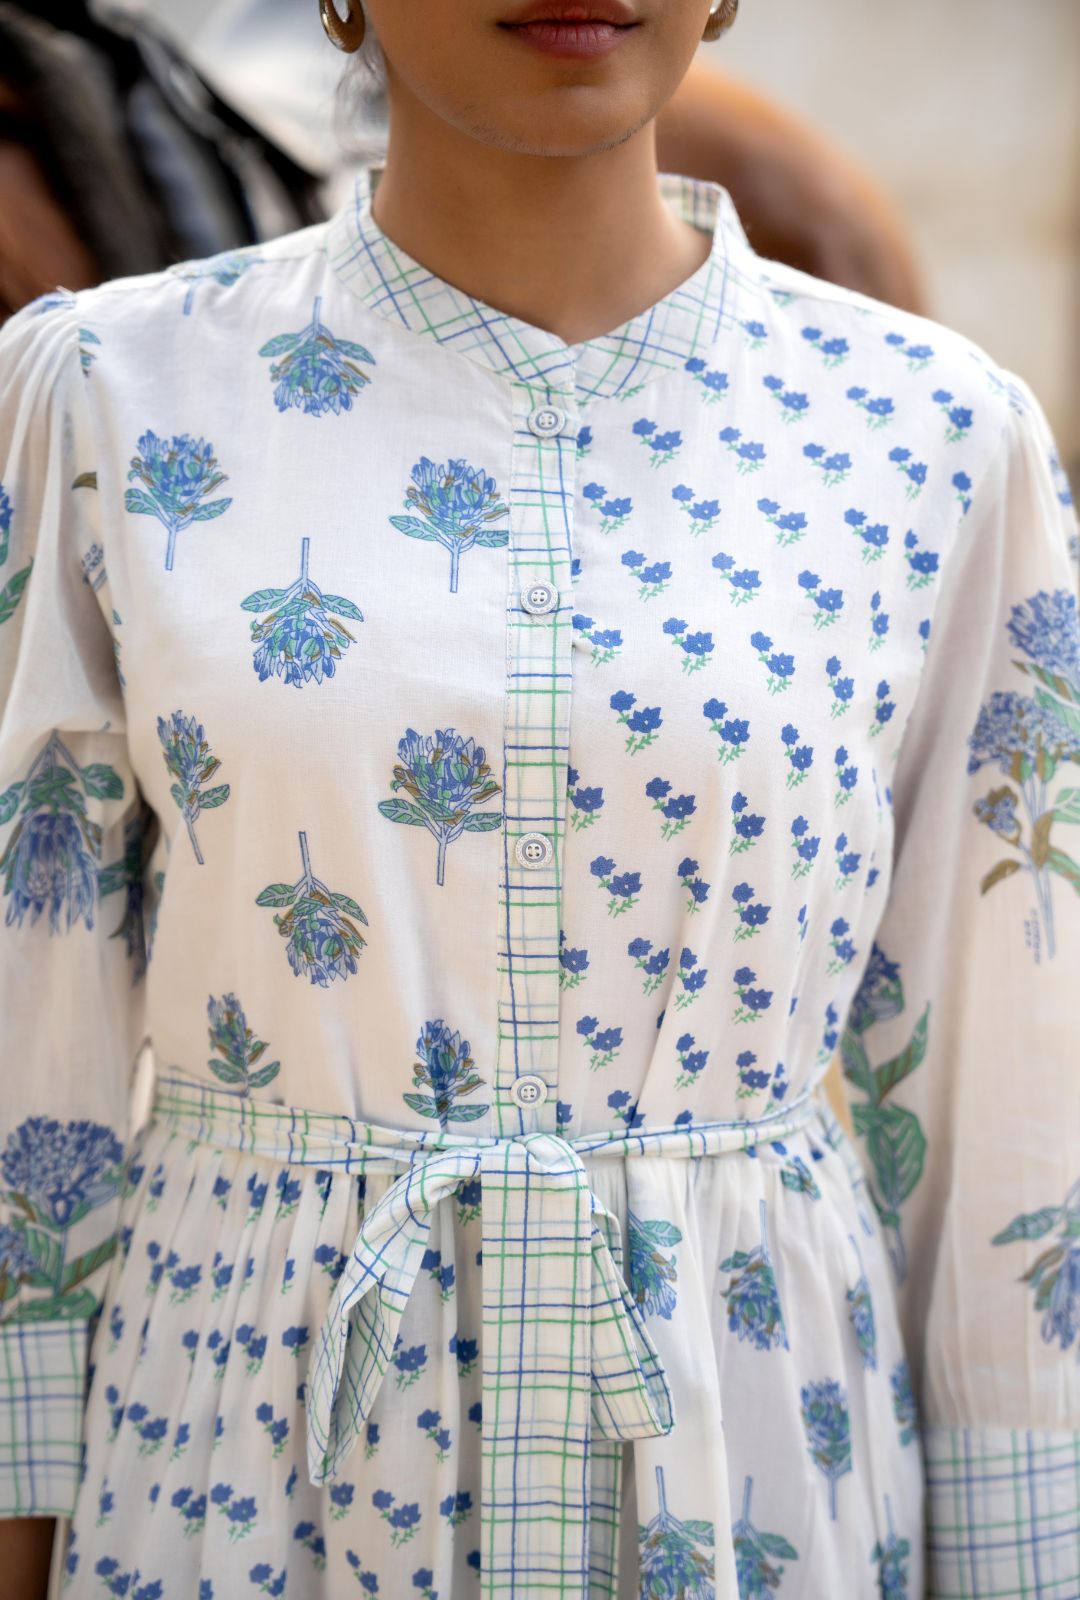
<point x="796" y="1349"/>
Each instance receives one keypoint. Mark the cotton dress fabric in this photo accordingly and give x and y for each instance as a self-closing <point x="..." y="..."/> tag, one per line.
<point x="495" y="777"/>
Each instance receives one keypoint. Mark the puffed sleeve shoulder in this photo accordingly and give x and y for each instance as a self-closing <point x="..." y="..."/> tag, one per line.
<point x="961" y="1050"/>
<point x="72" y="954"/>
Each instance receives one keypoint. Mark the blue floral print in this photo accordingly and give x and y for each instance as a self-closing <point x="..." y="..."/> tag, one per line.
<point x="52" y="856"/>
<point x="664" y="446"/>
<point x="54" y="1174"/>
<point x="752" y="1296"/>
<point x="322" y="941"/>
<point x="302" y="636"/>
<point x="703" y="514"/>
<point x="6" y="513"/>
<point x="673" y="1554"/>
<point x="445" y="776"/>
<point x="1028" y="739"/>
<point x="793" y="403"/>
<point x="444" y="1068"/>
<point x="314" y="372"/>
<point x="187" y="756"/>
<point x="1054" y="1275"/>
<point x="713" y="382"/>
<point x="237" y="1046"/>
<point x="959" y="418"/>
<point x="175" y="478"/>
<point x="828" y="1432"/>
<point x="456" y="505"/>
<point x="614" y="509"/>
<point x="653" y="1273"/>
<point x="224" y="268"/>
<point x="903" y="1399"/>
<point x="861" y="1312"/>
<point x="834" y="465"/>
<point x="890" y="1555"/>
<point x="879" y="408"/>
<point x="758" y="1553"/>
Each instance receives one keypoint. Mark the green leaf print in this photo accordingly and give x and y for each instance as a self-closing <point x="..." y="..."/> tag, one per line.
<point x="893" y="1136"/>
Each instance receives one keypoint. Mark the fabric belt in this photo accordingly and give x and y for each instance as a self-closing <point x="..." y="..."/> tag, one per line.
<point x="566" y="1351"/>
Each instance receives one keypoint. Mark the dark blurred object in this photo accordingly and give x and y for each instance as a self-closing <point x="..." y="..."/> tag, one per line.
<point x="117" y="157"/>
<point x="801" y="199"/>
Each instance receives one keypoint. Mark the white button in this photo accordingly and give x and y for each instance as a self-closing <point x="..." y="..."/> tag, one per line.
<point x="533" y="850"/>
<point x="528" y="1090"/>
<point x="546" y="420"/>
<point x="540" y="596"/>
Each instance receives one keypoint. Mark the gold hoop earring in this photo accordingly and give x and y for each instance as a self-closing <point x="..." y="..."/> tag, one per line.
<point x="720" y="19"/>
<point x="346" y="32"/>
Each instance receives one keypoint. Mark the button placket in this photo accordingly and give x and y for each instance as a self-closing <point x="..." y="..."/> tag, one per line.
<point x="540" y="638"/>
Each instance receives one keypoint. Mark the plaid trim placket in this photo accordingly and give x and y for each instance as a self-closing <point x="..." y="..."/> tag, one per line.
<point x="564" y="1343"/>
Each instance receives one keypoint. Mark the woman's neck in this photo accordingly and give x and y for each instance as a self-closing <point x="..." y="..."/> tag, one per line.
<point x="573" y="244"/>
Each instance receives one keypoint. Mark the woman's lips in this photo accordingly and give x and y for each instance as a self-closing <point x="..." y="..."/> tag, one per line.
<point x="581" y="40"/>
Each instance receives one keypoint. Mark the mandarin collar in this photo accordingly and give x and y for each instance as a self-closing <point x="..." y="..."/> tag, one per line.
<point x="679" y="328"/>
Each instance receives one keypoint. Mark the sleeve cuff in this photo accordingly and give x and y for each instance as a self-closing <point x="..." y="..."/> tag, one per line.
<point x="1002" y="1513"/>
<point x="42" y="1395"/>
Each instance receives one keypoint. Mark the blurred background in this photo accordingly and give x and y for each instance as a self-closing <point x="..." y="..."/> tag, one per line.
<point x="926" y="154"/>
<point x="968" y="112"/>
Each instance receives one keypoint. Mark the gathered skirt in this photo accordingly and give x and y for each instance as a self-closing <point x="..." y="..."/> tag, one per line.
<point x="794" y="1466"/>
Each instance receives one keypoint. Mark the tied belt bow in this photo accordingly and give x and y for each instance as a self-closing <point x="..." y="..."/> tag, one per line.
<point x="565" y="1344"/>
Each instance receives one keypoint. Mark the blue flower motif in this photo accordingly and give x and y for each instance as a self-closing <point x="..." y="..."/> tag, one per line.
<point x="6" y="513"/>
<point x="756" y="1554"/>
<point x="903" y="1401"/>
<point x="446" y="777"/>
<point x="753" y="1299"/>
<point x="671" y="1565"/>
<point x="302" y="636"/>
<point x="16" y="1261"/>
<point x="653" y="1273"/>
<point x="446" y="1071"/>
<point x="828" y="1431"/>
<point x="235" y="1042"/>
<point x="1054" y="1275"/>
<point x="1045" y="627"/>
<point x="861" y="1313"/>
<point x="890" y="1555"/>
<point x="314" y="371"/>
<point x="456" y="503"/>
<point x="176" y="478"/>
<point x="56" y="1172"/>
<point x="53" y="854"/>
<point x="187" y="756"/>
<point x="322" y="940"/>
<point x="225" y="268"/>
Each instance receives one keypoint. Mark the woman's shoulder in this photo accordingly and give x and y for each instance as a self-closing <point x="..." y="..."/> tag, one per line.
<point x="226" y="287"/>
<point x="920" y="383"/>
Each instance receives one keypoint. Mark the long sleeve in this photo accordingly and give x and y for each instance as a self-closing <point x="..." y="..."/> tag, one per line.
<point x="72" y="952"/>
<point x="961" y="1050"/>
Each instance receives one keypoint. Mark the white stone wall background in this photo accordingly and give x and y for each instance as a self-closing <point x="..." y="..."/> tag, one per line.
<point x="968" y="113"/>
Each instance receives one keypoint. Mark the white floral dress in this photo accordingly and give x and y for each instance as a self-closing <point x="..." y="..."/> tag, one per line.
<point x="497" y="777"/>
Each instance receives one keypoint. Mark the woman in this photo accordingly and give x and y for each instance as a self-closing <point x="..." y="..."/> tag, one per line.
<point x="500" y="686"/>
